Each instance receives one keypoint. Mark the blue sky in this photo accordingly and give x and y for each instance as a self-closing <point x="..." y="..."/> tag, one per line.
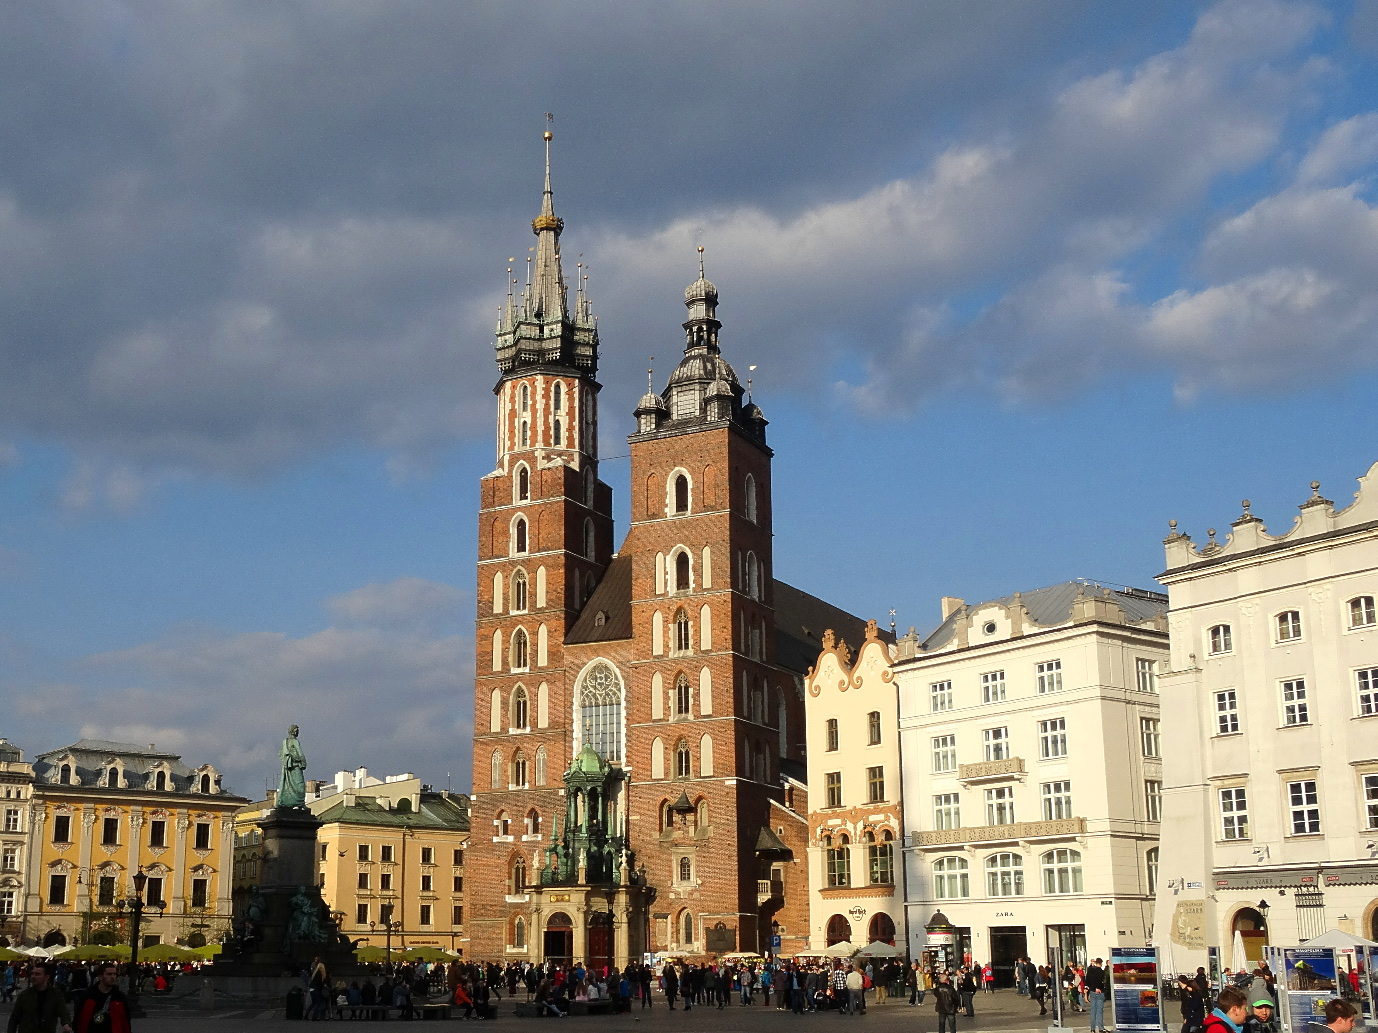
<point x="1022" y="281"/>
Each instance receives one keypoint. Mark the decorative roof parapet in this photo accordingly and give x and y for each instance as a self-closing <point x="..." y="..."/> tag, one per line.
<point x="1317" y="516"/>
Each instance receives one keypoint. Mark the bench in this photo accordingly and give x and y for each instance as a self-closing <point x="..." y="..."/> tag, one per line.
<point x="602" y="1006"/>
<point x="436" y="1010"/>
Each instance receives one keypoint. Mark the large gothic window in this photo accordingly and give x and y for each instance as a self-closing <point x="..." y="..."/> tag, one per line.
<point x="521" y="649"/>
<point x="519" y="587"/>
<point x="519" y="534"/>
<point x="518" y="769"/>
<point x="521" y="708"/>
<point x="751" y="498"/>
<point x="599" y="710"/>
<point x="523" y="484"/>
<point x="682" y="696"/>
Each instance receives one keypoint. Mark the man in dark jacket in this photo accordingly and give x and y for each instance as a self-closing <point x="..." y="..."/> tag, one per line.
<point x="946" y="1003"/>
<point x="1094" y="981"/>
<point x="42" y="1007"/>
<point x="966" y="986"/>
<point x="103" y="1008"/>
<point x="671" y="978"/>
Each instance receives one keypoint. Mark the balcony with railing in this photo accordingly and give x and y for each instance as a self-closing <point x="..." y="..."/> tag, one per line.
<point x="991" y="770"/>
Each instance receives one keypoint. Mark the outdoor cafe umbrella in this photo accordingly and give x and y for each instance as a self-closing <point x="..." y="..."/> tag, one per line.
<point x="879" y="949"/>
<point x="98" y="952"/>
<point x="1239" y="961"/>
<point x="11" y="955"/>
<point x="168" y="952"/>
<point x="369" y="952"/>
<point x="842" y="949"/>
<point x="427" y="954"/>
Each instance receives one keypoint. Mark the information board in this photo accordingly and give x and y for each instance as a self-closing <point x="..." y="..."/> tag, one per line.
<point x="1134" y="992"/>
<point x="1311" y="982"/>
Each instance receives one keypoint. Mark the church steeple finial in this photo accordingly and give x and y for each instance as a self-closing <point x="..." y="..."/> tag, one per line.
<point x="548" y="282"/>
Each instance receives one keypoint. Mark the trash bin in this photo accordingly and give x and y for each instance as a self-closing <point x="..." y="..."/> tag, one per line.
<point x="296" y="1003"/>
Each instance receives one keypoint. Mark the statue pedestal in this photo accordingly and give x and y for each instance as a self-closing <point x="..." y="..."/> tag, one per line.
<point x="270" y="947"/>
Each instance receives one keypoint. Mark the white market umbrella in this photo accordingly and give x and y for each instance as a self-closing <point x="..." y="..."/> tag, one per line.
<point x="1239" y="961"/>
<point x="844" y="949"/>
<point x="39" y="952"/>
<point x="1166" y="972"/>
<point x="878" y="949"/>
<point x="1335" y="938"/>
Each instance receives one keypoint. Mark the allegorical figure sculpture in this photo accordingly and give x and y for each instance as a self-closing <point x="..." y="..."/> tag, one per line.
<point x="304" y="925"/>
<point x="292" y="787"/>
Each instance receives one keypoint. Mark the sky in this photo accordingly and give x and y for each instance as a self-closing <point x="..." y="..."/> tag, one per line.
<point x="1022" y="282"/>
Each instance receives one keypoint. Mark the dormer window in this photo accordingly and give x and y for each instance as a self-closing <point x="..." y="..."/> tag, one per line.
<point x="112" y="778"/>
<point x="64" y="775"/>
<point x="206" y="784"/>
<point x="160" y="781"/>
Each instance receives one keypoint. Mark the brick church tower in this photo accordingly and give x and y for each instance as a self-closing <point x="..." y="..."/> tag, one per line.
<point x="545" y="539"/>
<point x="638" y="722"/>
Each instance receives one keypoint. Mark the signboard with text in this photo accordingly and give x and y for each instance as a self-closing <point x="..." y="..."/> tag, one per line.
<point x="1311" y="981"/>
<point x="1134" y="992"/>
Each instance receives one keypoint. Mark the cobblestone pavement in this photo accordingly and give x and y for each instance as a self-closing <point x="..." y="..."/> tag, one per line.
<point x="1003" y="1011"/>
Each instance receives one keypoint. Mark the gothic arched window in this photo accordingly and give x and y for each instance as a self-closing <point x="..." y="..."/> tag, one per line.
<point x="521" y="710"/>
<point x="558" y="396"/>
<point x="495" y="775"/>
<point x="533" y="822"/>
<point x="519" y="534"/>
<point x="682" y="696"/>
<point x="525" y="434"/>
<point x="682" y="636"/>
<point x="590" y="543"/>
<point x="540" y="765"/>
<point x="523" y="484"/>
<point x="683" y="764"/>
<point x="526" y="398"/>
<point x="687" y="928"/>
<point x="681" y="571"/>
<point x="681" y="494"/>
<point x="686" y="869"/>
<point x="599" y="711"/>
<point x="751" y="498"/>
<point x="519" y="933"/>
<point x="558" y="438"/>
<point x="518" y="769"/>
<point x="521" y="650"/>
<point x="519" y="587"/>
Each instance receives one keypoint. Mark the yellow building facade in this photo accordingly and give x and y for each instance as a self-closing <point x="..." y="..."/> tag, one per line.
<point x="388" y="851"/>
<point x="102" y="811"/>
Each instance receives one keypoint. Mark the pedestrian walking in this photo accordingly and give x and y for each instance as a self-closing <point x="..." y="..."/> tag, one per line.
<point x="1095" y="995"/>
<point x="103" y="1008"/>
<point x="946" y="1002"/>
<point x="966" y="986"/>
<point x="41" y="1007"/>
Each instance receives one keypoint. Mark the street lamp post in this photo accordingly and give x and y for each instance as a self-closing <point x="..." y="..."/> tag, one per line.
<point x="135" y="905"/>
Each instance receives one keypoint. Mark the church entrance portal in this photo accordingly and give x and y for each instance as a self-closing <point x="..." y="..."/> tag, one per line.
<point x="600" y="940"/>
<point x="558" y="943"/>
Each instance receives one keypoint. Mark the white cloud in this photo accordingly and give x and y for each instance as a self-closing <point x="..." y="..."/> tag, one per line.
<point x="407" y="600"/>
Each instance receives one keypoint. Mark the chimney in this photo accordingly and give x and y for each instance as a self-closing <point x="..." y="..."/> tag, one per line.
<point x="951" y="604"/>
<point x="272" y="797"/>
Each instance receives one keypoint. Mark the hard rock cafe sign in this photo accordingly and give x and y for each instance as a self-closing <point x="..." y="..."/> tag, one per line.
<point x="857" y="913"/>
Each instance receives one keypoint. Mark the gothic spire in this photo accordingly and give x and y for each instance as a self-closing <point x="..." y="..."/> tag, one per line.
<point x="548" y="283"/>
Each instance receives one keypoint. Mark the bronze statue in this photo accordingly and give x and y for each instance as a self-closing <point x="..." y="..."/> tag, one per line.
<point x="292" y="787"/>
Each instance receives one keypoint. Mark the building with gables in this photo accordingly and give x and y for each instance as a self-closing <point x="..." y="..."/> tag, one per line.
<point x="1270" y="789"/>
<point x="856" y="822"/>
<point x="639" y="722"/>
<point x="102" y="811"/>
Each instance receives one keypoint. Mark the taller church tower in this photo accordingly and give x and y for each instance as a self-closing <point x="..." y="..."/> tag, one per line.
<point x="545" y="539"/>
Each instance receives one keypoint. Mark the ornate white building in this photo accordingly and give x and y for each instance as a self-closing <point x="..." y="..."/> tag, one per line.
<point x="1029" y="728"/>
<point x="1270" y="711"/>
<point x="855" y="821"/>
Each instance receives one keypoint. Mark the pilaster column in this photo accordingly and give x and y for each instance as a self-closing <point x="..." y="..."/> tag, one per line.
<point x="179" y="864"/>
<point x="81" y="894"/>
<point x="136" y="832"/>
<point x="224" y="876"/>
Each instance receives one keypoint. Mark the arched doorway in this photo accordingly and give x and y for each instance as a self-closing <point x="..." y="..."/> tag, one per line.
<point x="1252" y="927"/>
<point x="882" y="928"/>
<point x="839" y="929"/>
<point x="600" y="941"/>
<point x="558" y="940"/>
<point x="54" y="938"/>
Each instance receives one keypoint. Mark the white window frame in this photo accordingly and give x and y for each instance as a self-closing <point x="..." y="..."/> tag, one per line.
<point x="1052" y="738"/>
<point x="1048" y="675"/>
<point x="1004" y="879"/>
<point x="953" y="880"/>
<point x="1219" y="645"/>
<point x="1303" y="807"/>
<point x="1366" y="691"/>
<point x="1233" y="802"/>
<point x="944" y="754"/>
<point x="1057" y="800"/>
<point x="1153" y="799"/>
<point x="993" y="687"/>
<point x="1364" y="614"/>
<point x="1151" y="737"/>
<point x="1000" y="804"/>
<point x="947" y="811"/>
<point x="1296" y="709"/>
<point x="1146" y="674"/>
<point x="1227" y="712"/>
<point x="1287" y="627"/>
<point x="940" y="697"/>
<point x="1368" y="783"/>
<point x="995" y="743"/>
<point x="1061" y="867"/>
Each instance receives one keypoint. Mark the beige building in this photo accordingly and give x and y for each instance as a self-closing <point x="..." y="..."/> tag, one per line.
<point x="855" y="821"/>
<point x="1270" y="792"/>
<point x="390" y="850"/>
<point x="16" y="786"/>
<point x="102" y="811"/>
<point x="1032" y="751"/>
